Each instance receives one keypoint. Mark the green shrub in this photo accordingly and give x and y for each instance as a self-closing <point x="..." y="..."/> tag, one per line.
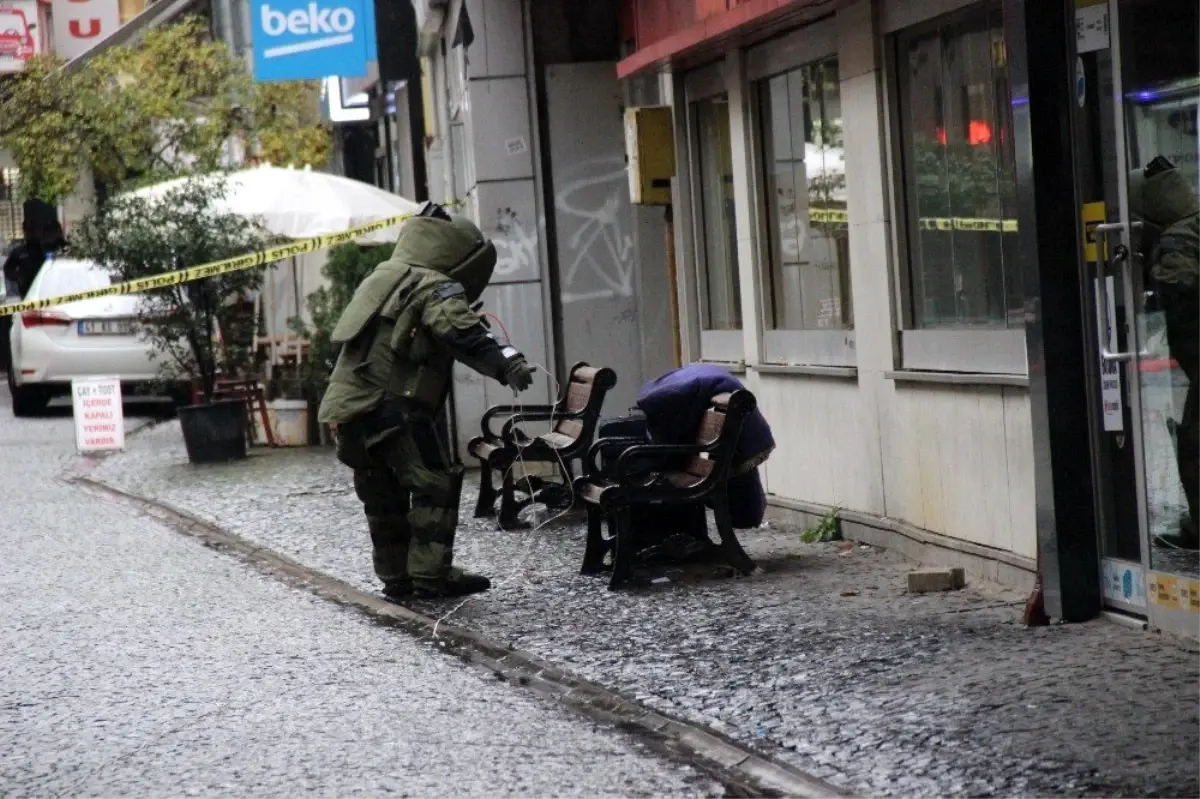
<point x="346" y="268"/>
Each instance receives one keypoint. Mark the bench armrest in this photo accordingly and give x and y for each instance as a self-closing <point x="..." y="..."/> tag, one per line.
<point x="535" y="413"/>
<point x="485" y="424"/>
<point x="654" y="451"/>
<point x="591" y="467"/>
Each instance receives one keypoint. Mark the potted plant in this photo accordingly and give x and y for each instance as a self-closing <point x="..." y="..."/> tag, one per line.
<point x="199" y="330"/>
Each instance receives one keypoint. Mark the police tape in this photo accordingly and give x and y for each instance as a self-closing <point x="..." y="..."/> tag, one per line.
<point x="236" y="264"/>
<point x="303" y="246"/>
<point x="943" y="223"/>
<point x="968" y="224"/>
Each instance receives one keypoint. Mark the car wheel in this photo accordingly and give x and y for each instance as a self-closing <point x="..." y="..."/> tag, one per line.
<point x="26" y="400"/>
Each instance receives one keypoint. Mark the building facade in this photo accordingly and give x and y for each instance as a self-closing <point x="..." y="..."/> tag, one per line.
<point x="886" y="221"/>
<point x="829" y="266"/>
<point x="905" y="224"/>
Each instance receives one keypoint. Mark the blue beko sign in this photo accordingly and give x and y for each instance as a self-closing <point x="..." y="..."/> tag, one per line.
<point x="313" y="39"/>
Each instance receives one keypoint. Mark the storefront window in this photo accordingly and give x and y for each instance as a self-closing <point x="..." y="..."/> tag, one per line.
<point x="721" y="301"/>
<point x="805" y="183"/>
<point x="958" y="172"/>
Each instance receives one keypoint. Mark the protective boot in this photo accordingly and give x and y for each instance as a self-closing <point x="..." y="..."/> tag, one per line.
<point x="456" y="583"/>
<point x="431" y="556"/>
<point x="1188" y="456"/>
<point x="390" y="536"/>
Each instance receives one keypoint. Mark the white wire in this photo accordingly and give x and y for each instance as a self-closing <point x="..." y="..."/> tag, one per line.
<point x="520" y="406"/>
<point x="1167" y="544"/>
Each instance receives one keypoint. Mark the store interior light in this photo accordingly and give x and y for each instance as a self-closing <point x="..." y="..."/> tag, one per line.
<point x="979" y="132"/>
<point x="1144" y="96"/>
<point x="354" y="111"/>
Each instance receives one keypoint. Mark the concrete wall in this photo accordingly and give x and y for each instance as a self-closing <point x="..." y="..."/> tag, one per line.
<point x="611" y="259"/>
<point x="597" y="272"/>
<point x="484" y="156"/>
<point x="79" y="204"/>
<point x="953" y="460"/>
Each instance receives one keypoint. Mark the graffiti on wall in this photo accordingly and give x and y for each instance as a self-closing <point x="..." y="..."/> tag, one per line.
<point x="516" y="243"/>
<point x="597" y="254"/>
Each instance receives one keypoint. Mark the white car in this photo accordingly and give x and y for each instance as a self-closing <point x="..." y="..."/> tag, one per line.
<point x="90" y="338"/>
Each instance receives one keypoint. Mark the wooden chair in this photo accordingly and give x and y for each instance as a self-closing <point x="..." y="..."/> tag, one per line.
<point x="248" y="390"/>
<point x="695" y="473"/>
<point x="252" y="395"/>
<point x="575" y="415"/>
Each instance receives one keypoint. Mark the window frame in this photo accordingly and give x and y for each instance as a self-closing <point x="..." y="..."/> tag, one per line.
<point x="995" y="351"/>
<point x="781" y="347"/>
<point x="722" y="346"/>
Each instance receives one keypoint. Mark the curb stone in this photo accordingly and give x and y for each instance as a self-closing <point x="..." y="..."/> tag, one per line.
<point x="742" y="771"/>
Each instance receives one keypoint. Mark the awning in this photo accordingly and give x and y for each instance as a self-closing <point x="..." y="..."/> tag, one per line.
<point x="158" y="13"/>
<point x="739" y="26"/>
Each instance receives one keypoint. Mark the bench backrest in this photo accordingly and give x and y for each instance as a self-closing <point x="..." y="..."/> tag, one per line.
<point x="720" y="426"/>
<point x="582" y="399"/>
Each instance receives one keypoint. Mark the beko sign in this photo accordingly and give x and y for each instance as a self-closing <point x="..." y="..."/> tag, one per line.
<point x="307" y="39"/>
<point x="79" y="25"/>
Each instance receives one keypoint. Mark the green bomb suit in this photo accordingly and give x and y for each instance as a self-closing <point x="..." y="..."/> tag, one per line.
<point x="1167" y="203"/>
<point x="406" y="324"/>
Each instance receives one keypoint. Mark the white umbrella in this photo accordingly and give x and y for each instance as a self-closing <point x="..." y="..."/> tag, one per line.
<point x="300" y="203"/>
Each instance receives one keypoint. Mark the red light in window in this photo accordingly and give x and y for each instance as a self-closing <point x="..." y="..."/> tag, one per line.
<point x="941" y="136"/>
<point x="979" y="132"/>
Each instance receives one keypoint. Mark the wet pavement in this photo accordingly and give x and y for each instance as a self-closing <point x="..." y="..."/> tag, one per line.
<point x="136" y="661"/>
<point x="824" y="660"/>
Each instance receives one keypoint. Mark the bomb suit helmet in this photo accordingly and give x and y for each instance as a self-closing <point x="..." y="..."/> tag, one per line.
<point x="450" y="244"/>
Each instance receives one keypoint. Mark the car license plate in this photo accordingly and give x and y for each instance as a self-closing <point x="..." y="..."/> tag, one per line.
<point x="105" y="327"/>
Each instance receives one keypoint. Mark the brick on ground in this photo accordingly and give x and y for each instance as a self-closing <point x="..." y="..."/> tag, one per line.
<point x="926" y="581"/>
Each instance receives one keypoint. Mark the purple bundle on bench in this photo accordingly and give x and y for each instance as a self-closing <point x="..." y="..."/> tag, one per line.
<point x="675" y="402"/>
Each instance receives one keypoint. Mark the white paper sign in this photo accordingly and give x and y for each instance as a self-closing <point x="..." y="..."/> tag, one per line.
<point x="99" y="417"/>
<point x="79" y="25"/>
<point x="1091" y="28"/>
<point x="21" y="34"/>
<point x="1110" y="372"/>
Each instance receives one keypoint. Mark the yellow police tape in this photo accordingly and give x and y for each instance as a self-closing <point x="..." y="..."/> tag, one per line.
<point x="236" y="264"/>
<point x="966" y="224"/>
<point x="302" y="246"/>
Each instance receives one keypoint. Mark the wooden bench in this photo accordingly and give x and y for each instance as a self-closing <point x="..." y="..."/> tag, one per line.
<point x="574" y="415"/>
<point x="693" y="473"/>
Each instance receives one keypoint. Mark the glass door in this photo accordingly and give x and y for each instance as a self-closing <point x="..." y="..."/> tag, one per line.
<point x="1114" y="399"/>
<point x="1138" y="91"/>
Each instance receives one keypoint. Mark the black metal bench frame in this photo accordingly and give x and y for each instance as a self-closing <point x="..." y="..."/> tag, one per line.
<point x="575" y="428"/>
<point x="704" y="478"/>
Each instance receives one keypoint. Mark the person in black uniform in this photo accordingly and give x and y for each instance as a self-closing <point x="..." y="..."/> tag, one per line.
<point x="43" y="234"/>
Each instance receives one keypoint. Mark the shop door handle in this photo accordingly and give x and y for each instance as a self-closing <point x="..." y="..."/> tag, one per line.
<point x="1120" y="262"/>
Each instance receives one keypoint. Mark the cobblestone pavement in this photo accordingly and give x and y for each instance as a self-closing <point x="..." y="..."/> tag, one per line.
<point x="134" y="661"/>
<point x="823" y="660"/>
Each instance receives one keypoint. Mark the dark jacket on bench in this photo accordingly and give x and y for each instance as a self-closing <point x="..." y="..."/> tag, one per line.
<point x="674" y="404"/>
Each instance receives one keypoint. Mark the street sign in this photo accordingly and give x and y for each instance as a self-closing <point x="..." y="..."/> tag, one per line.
<point x="312" y="39"/>
<point x="20" y="34"/>
<point x="99" y="416"/>
<point x="79" y="25"/>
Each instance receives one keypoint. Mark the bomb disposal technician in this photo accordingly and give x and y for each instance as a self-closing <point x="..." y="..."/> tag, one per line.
<point x="1166" y="202"/>
<point x="406" y="324"/>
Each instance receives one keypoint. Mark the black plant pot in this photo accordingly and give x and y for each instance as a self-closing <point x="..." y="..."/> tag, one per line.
<point x="214" y="432"/>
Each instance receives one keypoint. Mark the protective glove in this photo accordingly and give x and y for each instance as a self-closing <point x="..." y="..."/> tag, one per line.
<point x="519" y="375"/>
